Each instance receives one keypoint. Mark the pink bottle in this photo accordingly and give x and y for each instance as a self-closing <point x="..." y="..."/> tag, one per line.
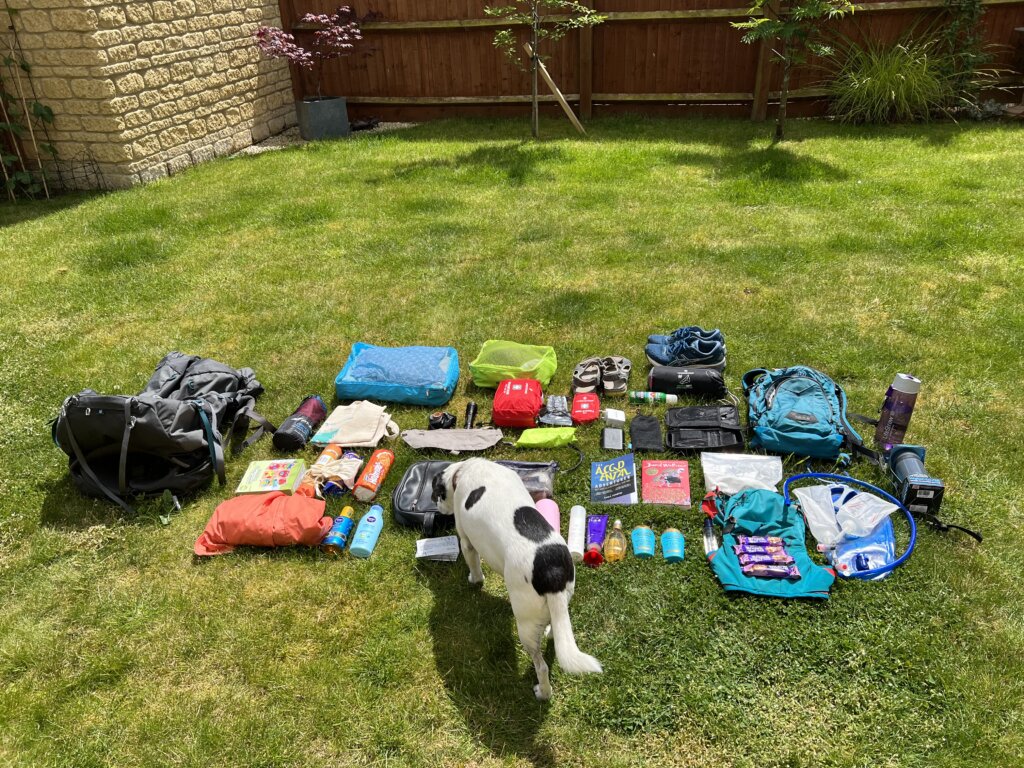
<point x="897" y="410"/>
<point x="549" y="511"/>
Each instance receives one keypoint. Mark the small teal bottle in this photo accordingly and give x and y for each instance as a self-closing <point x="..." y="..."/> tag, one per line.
<point x="672" y="544"/>
<point x="367" y="533"/>
<point x="643" y="542"/>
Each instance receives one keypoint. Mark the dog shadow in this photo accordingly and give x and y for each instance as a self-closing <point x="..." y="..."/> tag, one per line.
<point x="481" y="661"/>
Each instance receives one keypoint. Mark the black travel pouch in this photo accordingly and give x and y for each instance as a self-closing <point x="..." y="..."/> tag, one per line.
<point x="704" y="428"/>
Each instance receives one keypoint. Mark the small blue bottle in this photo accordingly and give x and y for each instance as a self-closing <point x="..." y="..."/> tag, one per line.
<point x="367" y="533"/>
<point x="672" y="544"/>
<point x="643" y="542"/>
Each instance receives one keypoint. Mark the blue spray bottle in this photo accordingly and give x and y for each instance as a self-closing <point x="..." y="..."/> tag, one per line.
<point x="367" y="533"/>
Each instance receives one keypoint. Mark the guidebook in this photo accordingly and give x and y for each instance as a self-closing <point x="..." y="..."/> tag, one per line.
<point x="274" y="475"/>
<point x="665" y="482"/>
<point x="613" y="481"/>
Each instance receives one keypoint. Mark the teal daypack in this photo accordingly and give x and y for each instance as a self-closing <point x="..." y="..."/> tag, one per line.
<point x="756" y="512"/>
<point x="798" y="410"/>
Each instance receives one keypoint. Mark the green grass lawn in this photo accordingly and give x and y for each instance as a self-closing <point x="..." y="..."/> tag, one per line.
<point x="861" y="252"/>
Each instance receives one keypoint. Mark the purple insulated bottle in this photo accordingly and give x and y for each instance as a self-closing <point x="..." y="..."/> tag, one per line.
<point x="897" y="409"/>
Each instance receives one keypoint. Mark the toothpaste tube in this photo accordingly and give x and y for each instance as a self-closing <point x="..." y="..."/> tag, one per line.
<point x="763" y="571"/>
<point x="778" y="559"/>
<point x="596" y="527"/>
<point x="761" y="541"/>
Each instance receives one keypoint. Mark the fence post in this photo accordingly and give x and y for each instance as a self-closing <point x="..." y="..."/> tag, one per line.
<point x="587" y="69"/>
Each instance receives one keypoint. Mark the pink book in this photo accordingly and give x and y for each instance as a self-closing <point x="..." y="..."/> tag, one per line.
<point x="665" y="482"/>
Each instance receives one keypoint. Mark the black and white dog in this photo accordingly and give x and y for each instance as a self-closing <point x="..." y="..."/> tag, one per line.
<point x="497" y="521"/>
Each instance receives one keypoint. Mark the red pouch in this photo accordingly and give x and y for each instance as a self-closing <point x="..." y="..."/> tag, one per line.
<point x="586" y="407"/>
<point x="517" y="403"/>
<point x="264" y="520"/>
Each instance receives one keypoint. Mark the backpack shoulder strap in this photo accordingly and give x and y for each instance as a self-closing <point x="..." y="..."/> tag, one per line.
<point x="84" y="464"/>
<point x="750" y="378"/>
<point x="240" y="426"/>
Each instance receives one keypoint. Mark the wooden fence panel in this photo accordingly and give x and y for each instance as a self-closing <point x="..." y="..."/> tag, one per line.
<point x="421" y="60"/>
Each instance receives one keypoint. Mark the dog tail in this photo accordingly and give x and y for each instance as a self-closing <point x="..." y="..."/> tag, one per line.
<point x="571" y="658"/>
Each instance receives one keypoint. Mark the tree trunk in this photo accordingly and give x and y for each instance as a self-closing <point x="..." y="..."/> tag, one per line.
<point x="780" y="120"/>
<point x="534" y="39"/>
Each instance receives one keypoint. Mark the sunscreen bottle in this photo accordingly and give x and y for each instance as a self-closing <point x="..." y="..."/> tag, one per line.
<point x="367" y="533"/>
<point x="577" y="531"/>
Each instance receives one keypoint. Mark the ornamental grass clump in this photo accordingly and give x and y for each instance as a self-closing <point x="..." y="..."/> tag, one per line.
<point x="906" y="82"/>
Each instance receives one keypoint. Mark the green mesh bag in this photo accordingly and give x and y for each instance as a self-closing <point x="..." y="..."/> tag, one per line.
<point x="501" y="360"/>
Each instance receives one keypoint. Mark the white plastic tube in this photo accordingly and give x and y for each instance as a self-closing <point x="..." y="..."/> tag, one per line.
<point x="577" y="531"/>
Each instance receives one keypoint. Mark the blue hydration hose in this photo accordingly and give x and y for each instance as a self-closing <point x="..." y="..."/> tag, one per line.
<point x="872" y="573"/>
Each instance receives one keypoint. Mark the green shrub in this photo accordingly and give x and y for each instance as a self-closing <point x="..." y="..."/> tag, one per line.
<point x="906" y="82"/>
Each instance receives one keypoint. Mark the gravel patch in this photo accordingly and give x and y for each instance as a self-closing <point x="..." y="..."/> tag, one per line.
<point x="291" y="138"/>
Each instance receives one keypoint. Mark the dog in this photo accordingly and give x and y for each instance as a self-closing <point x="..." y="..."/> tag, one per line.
<point x="497" y="522"/>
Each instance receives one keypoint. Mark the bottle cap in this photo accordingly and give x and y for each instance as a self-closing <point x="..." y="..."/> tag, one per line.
<point x="907" y="384"/>
<point x="593" y="556"/>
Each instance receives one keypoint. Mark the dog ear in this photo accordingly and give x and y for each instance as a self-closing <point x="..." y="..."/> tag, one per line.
<point x="439" y="492"/>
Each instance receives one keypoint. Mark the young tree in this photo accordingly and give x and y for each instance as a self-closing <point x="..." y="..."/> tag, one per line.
<point x="547" y="20"/>
<point x="336" y="36"/>
<point x="794" y="30"/>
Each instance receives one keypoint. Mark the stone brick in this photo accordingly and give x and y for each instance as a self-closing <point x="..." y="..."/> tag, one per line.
<point x="162" y="10"/>
<point x="166" y="109"/>
<point x="108" y="37"/>
<point x="174" y="43"/>
<point x="139" y="13"/>
<point x="216" y="122"/>
<point x="147" y="145"/>
<point x="204" y="6"/>
<point x="92" y="89"/>
<point x="133" y="34"/>
<point x="157" y="30"/>
<point x="103" y="124"/>
<point x="182" y="71"/>
<point x="150" y="47"/>
<point x="179" y="163"/>
<point x="123" y="52"/>
<point x="123" y="104"/>
<point x="61" y="40"/>
<point x="156" y="78"/>
<point x="203" y="67"/>
<point x="35" y="21"/>
<point x="132" y="83"/>
<point x="138" y="117"/>
<point x="173" y="136"/>
<point x="112" y="18"/>
<point x="179" y="27"/>
<point x="77" y="20"/>
<point x="196" y="129"/>
<point x="82" y="57"/>
<point x="184" y="8"/>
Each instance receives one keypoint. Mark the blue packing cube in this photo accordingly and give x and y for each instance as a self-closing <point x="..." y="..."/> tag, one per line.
<point x="410" y="375"/>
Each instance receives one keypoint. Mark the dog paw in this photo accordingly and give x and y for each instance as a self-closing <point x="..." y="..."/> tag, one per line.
<point x="541" y="694"/>
<point x="476" y="579"/>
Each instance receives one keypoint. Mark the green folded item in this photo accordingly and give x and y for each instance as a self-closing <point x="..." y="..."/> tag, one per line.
<point x="499" y="361"/>
<point x="547" y="437"/>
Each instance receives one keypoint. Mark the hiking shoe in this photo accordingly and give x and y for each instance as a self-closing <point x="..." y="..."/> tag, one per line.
<point x="615" y="375"/>
<point x="688" y="354"/>
<point x="685" y="333"/>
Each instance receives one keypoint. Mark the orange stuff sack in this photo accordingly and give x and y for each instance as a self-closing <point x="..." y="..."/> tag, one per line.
<point x="264" y="520"/>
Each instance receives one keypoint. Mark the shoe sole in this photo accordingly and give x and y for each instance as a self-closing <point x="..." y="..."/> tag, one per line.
<point x="716" y="366"/>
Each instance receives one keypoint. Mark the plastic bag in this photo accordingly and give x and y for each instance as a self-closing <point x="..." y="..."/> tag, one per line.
<point x="820" y="513"/>
<point x="859" y="514"/>
<point x="732" y="473"/>
<point x="501" y="360"/>
<point x="547" y="437"/>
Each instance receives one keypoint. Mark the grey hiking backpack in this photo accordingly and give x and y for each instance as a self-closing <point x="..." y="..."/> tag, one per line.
<point x="166" y="438"/>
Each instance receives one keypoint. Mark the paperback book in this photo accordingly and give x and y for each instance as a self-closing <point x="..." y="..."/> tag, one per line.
<point x="665" y="482"/>
<point x="613" y="481"/>
<point x="274" y="475"/>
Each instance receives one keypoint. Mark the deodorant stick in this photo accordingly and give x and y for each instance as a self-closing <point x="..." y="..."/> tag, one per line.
<point x="577" y="531"/>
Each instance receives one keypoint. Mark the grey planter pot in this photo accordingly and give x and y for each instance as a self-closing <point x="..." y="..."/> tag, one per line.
<point x="325" y="118"/>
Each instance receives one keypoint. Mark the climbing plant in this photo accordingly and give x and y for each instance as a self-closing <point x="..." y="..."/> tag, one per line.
<point x="24" y="121"/>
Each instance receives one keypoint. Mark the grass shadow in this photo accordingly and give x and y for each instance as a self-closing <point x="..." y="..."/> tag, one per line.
<point x="514" y="163"/>
<point x="477" y="652"/>
<point x="29" y="210"/>
<point x="65" y="508"/>
<point x="776" y="164"/>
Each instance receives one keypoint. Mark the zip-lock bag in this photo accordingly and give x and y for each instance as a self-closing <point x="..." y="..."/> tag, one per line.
<point x="413" y="507"/>
<point x="166" y="438"/>
<point x="704" y="428"/>
<point x="799" y="410"/>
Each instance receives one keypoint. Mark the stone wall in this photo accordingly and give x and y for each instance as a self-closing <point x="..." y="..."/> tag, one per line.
<point x="142" y="90"/>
